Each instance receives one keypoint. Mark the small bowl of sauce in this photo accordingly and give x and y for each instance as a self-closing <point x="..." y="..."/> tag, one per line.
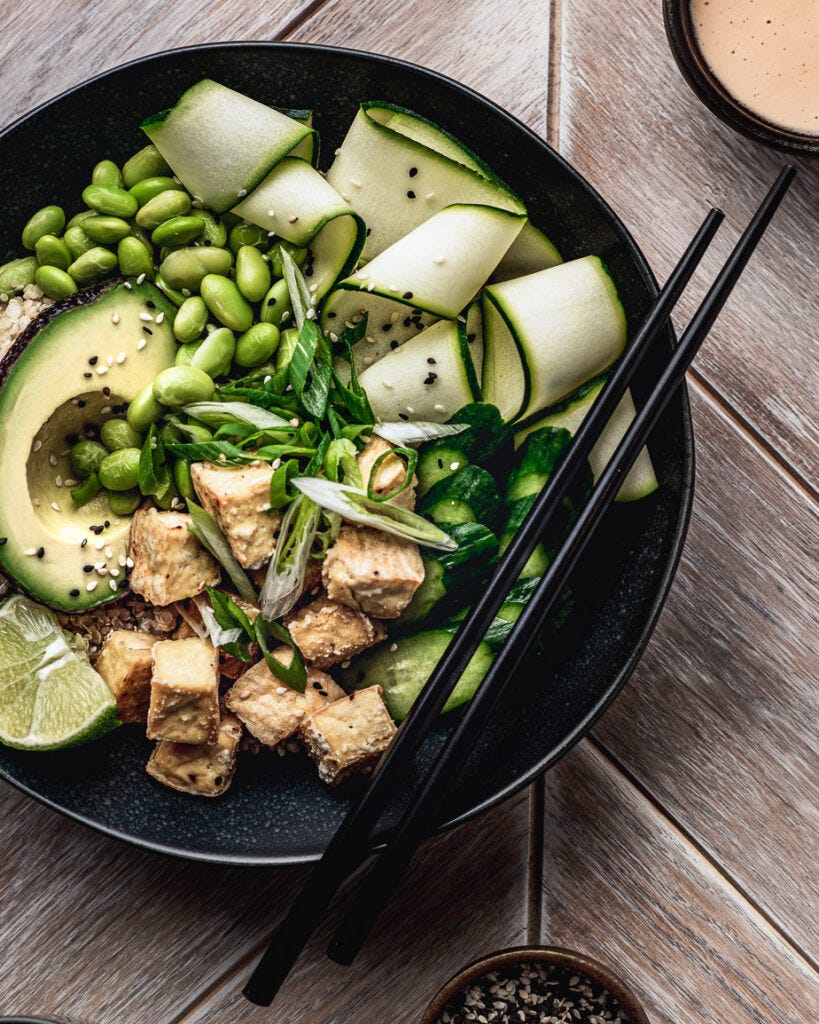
<point x="754" y="63"/>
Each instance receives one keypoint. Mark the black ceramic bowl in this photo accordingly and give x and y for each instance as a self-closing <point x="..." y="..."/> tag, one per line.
<point x="682" y="40"/>
<point x="277" y="810"/>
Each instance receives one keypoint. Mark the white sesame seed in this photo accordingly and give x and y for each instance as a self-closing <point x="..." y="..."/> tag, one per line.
<point x="410" y="410"/>
<point x="368" y="360"/>
<point x="122" y="560"/>
<point x="275" y="463"/>
<point x="112" y="584"/>
<point x="160" y="317"/>
<point x="109" y="553"/>
<point x="292" y="218"/>
<point x="294" y="422"/>
<point x="438" y="259"/>
<point x="58" y="480"/>
<point x="114" y="572"/>
<point x="115" y="318"/>
<point x="52" y="460"/>
<point x="429" y="195"/>
<point x="370" y="340"/>
<point x="440" y="408"/>
<point x="141" y="344"/>
<point x="109" y="361"/>
<point x="242" y="193"/>
<point x="393" y="648"/>
<point x="146" y="317"/>
<point x="70" y="483"/>
<point x="454" y="465"/>
<point x="140" y="279"/>
<point x="38" y="445"/>
<point x="393" y="288"/>
<point x="281" y="689"/>
<point x="345" y="196"/>
<point x="31" y="552"/>
<point x="102" y="370"/>
<point x="270" y="213"/>
<point x="91" y="586"/>
<point x="122" y="357"/>
<point x="36" y="502"/>
<point x="338" y="151"/>
<point x="388" y="384"/>
<point x="100" y="545"/>
<point x="126" y="284"/>
<point x="129" y="562"/>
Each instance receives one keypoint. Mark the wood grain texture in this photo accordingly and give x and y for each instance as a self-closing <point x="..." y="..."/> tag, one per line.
<point x="621" y="884"/>
<point x="632" y="126"/>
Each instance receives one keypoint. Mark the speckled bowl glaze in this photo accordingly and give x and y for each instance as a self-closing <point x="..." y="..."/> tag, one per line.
<point x="277" y="811"/>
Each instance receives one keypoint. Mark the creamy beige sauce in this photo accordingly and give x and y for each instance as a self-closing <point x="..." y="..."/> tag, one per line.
<point x="766" y="54"/>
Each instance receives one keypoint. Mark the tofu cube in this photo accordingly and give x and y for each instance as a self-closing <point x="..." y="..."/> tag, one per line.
<point x="271" y="711"/>
<point x="184" y="692"/>
<point x="372" y="571"/>
<point x="169" y="562"/>
<point x="238" y="498"/>
<point x="200" y="769"/>
<point x="125" y="663"/>
<point x="348" y="735"/>
<point x="327" y="632"/>
<point x="390" y="475"/>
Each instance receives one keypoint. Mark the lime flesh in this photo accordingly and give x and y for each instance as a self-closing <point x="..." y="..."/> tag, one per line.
<point x="50" y="697"/>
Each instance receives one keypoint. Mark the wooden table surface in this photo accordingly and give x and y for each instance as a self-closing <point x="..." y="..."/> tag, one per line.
<point x="679" y="840"/>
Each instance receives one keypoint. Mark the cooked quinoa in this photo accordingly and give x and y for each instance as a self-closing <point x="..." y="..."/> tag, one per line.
<point x="17" y="312"/>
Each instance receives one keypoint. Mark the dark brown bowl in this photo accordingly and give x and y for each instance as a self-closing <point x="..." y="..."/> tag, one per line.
<point x="581" y="964"/>
<point x="686" y="52"/>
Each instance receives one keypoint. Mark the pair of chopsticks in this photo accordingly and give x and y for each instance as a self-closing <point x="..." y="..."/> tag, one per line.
<point x="351" y="843"/>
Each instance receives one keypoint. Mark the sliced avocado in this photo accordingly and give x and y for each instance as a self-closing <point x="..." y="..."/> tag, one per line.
<point x="73" y="367"/>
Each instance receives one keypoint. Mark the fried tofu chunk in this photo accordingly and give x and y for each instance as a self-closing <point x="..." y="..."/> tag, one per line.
<point x="238" y="498"/>
<point x="169" y="562"/>
<point x="389" y="476"/>
<point x="327" y="632"/>
<point x="348" y="735"/>
<point x="184" y="692"/>
<point x="372" y="571"/>
<point x="200" y="769"/>
<point x="125" y="663"/>
<point x="271" y="711"/>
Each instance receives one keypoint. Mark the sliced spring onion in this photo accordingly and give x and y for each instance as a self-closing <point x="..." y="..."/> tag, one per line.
<point x="262" y="419"/>
<point x="195" y="623"/>
<point x="218" y="636"/>
<point x="204" y="528"/>
<point x="284" y="581"/>
<point x="417" y="433"/>
<point x="300" y="297"/>
<point x="354" y="505"/>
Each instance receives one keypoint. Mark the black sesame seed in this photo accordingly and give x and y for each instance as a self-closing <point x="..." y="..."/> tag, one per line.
<point x="40" y="552"/>
<point x="90" y="568"/>
<point x="413" y="171"/>
<point x="93" y="360"/>
<point x="410" y="194"/>
<point x="440" y="463"/>
<point x="3" y="540"/>
<point x="407" y="295"/>
<point x="332" y="316"/>
<point x="96" y="529"/>
<point x="386" y="327"/>
<point x="147" y="330"/>
<point x="88" y="376"/>
<point x="470" y="337"/>
<point x="308" y="271"/>
<point x="207" y="242"/>
<point x="402" y="416"/>
<point x="393" y="344"/>
<point x="81" y="404"/>
<point x="407" y="321"/>
<point x="430" y="378"/>
<point x="150" y="304"/>
<point x="84" y="542"/>
<point x="431" y="361"/>
<point x="368" y="232"/>
<point x="74" y="593"/>
<point x="107" y="392"/>
<point x="107" y="524"/>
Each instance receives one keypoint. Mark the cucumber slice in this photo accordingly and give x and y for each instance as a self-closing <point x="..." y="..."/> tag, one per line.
<point x="641" y="479"/>
<point x="389" y="325"/>
<point x="221" y="143"/>
<point x="531" y="251"/>
<point x="428" y="378"/>
<point x="488" y="443"/>
<point x="399" y="169"/>
<point x="468" y="496"/>
<point x="565" y="325"/>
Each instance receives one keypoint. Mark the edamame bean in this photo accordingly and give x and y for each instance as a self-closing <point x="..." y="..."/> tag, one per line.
<point x="55" y="282"/>
<point x="77" y="241"/>
<point x="15" y="275"/>
<point x="252" y="273"/>
<point x="287" y="346"/>
<point x="178" y="231"/>
<point x="92" y="265"/>
<point x="145" y="190"/>
<point x="275" y="253"/>
<point x="169" y="433"/>
<point x="50" y="220"/>
<point x="109" y="200"/>
<point x="87" y="490"/>
<point x="147" y="163"/>
<point x="177" y="297"/>
<point x="190" y="319"/>
<point x="185" y="268"/>
<point x="107" y="173"/>
<point x="78" y="218"/>
<point x="213" y="354"/>
<point x="106" y="230"/>
<point x="116" y="434"/>
<point x="257" y="345"/>
<point x="134" y="258"/>
<point x="170" y="203"/>
<point x="179" y="385"/>
<point x="119" y="471"/>
<point x="215" y="232"/>
<point x="123" y="503"/>
<point x="86" y="457"/>
<point x="52" y="252"/>
<point x="226" y="302"/>
<point x="144" y="409"/>
<point x="247" y="234"/>
<point x="276" y="308"/>
<point x="182" y="479"/>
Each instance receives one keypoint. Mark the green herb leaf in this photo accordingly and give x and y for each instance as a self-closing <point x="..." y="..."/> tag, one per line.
<point x="223" y="452"/>
<point x="154" y="475"/>
<point x="204" y="528"/>
<point x="293" y="675"/>
<point x="281" y="493"/>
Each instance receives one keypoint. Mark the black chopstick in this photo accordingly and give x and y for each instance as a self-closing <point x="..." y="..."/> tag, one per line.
<point x="351" y="842"/>
<point x="420" y="815"/>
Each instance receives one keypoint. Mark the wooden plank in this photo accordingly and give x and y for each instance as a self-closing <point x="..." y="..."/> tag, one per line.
<point x="632" y="126"/>
<point x="621" y="884"/>
<point x="118" y="934"/>
<point x="719" y="721"/>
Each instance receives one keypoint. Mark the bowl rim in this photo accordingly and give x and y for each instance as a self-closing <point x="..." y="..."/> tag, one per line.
<point x="676" y="540"/>
<point x="691" y="62"/>
<point x="581" y="963"/>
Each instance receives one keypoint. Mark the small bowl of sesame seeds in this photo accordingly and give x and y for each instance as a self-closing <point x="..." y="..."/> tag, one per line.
<point x="535" y="985"/>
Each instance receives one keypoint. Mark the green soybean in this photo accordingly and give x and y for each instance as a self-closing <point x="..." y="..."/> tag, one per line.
<point x="147" y="163"/>
<point x="179" y="385"/>
<point x="52" y="252"/>
<point x="50" y="220"/>
<point x="215" y="232"/>
<point x="14" y="276"/>
<point x="252" y="273"/>
<point x="144" y="409"/>
<point x="119" y="471"/>
<point x="110" y="200"/>
<point x="123" y="503"/>
<point x="190" y="319"/>
<point x="144" y="191"/>
<point x="76" y="241"/>
<point x="226" y="302"/>
<point x="185" y="268"/>
<point x="56" y="283"/>
<point x="178" y="231"/>
<point x="106" y="230"/>
<point x="106" y="172"/>
<point x="275" y="253"/>
<point x="170" y="203"/>
<point x="257" y="345"/>
<point x="134" y="258"/>
<point x="247" y="234"/>
<point x="78" y="218"/>
<point x="213" y="355"/>
<point x="92" y="265"/>
<point x="287" y="346"/>
<point x="86" y="457"/>
<point x="276" y="308"/>
<point x="182" y="479"/>
<point x="116" y="434"/>
<point x="87" y="490"/>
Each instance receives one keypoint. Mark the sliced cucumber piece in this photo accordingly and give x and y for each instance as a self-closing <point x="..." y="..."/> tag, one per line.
<point x="531" y="251"/>
<point x="428" y="378"/>
<point x="487" y="443"/>
<point x="221" y="143"/>
<point x="546" y="333"/>
<point x="389" y="325"/>
<point x="468" y="496"/>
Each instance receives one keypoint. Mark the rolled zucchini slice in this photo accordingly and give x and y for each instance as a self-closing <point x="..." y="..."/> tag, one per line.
<point x="531" y="251"/>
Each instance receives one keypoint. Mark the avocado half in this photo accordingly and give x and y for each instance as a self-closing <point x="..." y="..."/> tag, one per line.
<point x="77" y="364"/>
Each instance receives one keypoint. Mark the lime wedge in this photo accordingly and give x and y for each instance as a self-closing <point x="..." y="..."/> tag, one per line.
<point x="50" y="697"/>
